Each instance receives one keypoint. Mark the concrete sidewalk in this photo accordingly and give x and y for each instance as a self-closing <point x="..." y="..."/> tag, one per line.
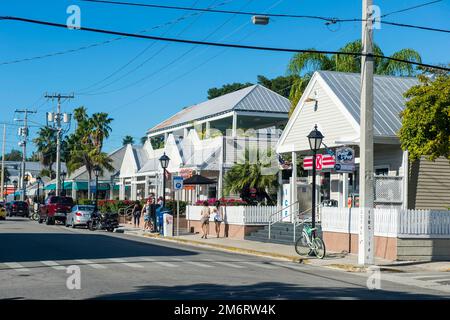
<point x="343" y="260"/>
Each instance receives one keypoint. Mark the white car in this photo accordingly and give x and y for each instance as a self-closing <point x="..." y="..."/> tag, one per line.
<point x="79" y="215"/>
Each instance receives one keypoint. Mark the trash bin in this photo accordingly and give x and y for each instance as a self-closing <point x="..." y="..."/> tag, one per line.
<point x="160" y="211"/>
<point x="167" y="225"/>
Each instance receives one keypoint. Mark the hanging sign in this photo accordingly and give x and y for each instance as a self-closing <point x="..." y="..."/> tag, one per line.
<point x="323" y="161"/>
<point x="345" y="159"/>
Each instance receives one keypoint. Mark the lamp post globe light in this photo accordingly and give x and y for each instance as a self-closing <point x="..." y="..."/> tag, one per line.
<point x="164" y="160"/>
<point x="97" y="172"/>
<point x="315" y="138"/>
<point x="15" y="187"/>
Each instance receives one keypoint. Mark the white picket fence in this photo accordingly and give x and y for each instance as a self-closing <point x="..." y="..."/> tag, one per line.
<point x="240" y="215"/>
<point x="388" y="222"/>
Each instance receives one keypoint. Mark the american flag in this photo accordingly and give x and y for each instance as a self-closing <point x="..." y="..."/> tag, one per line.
<point x="284" y="164"/>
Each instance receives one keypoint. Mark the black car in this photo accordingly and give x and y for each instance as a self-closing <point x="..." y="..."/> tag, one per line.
<point x="18" y="208"/>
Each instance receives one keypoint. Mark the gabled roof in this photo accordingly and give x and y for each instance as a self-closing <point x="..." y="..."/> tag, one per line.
<point x="388" y="97"/>
<point x="254" y="98"/>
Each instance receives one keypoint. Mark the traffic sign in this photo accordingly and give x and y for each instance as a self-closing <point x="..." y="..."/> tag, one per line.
<point x="177" y="183"/>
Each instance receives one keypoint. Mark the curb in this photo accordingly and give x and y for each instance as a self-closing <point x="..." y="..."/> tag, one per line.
<point x="225" y="248"/>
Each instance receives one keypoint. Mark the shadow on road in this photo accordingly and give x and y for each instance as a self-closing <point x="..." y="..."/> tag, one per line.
<point x="15" y="247"/>
<point x="264" y="290"/>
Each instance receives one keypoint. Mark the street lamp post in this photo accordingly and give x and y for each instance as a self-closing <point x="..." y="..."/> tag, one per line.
<point x="15" y="187"/>
<point x="315" y="138"/>
<point x="38" y="180"/>
<point x="164" y="160"/>
<point x="97" y="173"/>
<point x="63" y="177"/>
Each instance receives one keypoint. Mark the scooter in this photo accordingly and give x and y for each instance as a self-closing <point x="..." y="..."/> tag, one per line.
<point x="103" y="221"/>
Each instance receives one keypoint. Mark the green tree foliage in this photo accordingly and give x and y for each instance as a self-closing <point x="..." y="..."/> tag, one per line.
<point x="281" y="85"/>
<point x="85" y="144"/>
<point x="226" y="88"/>
<point x="305" y="64"/>
<point x="425" y="127"/>
<point x="143" y="140"/>
<point x="13" y="155"/>
<point x="243" y="177"/>
<point x="127" y="140"/>
<point x="45" y="143"/>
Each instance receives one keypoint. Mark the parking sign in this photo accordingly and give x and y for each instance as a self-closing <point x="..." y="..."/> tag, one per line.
<point x="177" y="183"/>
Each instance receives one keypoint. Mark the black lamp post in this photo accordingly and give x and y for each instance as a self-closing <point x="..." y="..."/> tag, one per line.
<point x="15" y="187"/>
<point x="164" y="160"/>
<point x="97" y="172"/>
<point x="315" y="138"/>
<point x="63" y="177"/>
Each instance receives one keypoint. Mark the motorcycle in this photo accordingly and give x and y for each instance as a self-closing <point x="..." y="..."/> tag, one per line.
<point x="103" y="221"/>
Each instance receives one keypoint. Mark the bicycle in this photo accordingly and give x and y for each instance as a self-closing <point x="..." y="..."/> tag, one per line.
<point x="309" y="243"/>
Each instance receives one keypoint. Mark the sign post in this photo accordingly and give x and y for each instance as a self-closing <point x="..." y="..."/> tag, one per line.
<point x="178" y="186"/>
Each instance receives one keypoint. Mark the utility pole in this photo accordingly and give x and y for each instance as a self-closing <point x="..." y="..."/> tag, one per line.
<point x="56" y="117"/>
<point x="23" y="132"/>
<point x="366" y="241"/>
<point x="3" y="163"/>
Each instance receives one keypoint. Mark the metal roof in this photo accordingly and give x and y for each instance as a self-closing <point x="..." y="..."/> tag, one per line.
<point x="388" y="97"/>
<point x="254" y="98"/>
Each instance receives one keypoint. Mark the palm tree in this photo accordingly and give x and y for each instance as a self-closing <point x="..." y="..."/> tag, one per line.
<point x="244" y="176"/>
<point x="304" y="65"/>
<point x="46" y="146"/>
<point x="100" y="128"/>
<point x="144" y="140"/>
<point x="127" y="140"/>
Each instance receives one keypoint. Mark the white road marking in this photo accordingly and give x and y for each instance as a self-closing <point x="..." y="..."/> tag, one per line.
<point x="197" y="264"/>
<point x="227" y="264"/>
<point x="91" y="264"/>
<point x="162" y="263"/>
<point x="258" y="264"/>
<point x="54" y="265"/>
<point x="124" y="262"/>
<point x="16" y="266"/>
<point x="430" y="276"/>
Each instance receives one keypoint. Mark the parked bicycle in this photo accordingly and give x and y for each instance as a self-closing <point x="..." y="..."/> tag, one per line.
<point x="308" y="243"/>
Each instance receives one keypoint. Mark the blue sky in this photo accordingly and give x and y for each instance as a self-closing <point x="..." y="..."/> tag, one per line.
<point x="156" y="89"/>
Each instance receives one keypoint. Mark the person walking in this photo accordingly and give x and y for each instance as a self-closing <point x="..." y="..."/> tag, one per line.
<point x="146" y="211"/>
<point x="205" y="214"/>
<point x="218" y="216"/>
<point x="137" y="214"/>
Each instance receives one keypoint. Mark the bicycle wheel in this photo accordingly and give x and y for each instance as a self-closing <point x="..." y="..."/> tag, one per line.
<point x="319" y="248"/>
<point x="301" y="246"/>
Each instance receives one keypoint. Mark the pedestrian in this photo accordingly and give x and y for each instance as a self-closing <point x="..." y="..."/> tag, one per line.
<point x="218" y="216"/>
<point x="146" y="212"/>
<point x="137" y="214"/>
<point x="160" y="201"/>
<point x="205" y="214"/>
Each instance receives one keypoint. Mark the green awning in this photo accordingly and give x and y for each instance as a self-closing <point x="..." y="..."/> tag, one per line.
<point x="78" y="186"/>
<point x="117" y="187"/>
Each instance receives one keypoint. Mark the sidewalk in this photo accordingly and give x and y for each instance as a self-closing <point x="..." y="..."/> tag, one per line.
<point x="343" y="261"/>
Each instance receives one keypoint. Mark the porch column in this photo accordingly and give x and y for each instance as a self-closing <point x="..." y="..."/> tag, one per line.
<point x="208" y="127"/>
<point x="280" y="189"/>
<point x="166" y="135"/>
<point x="74" y="191"/>
<point x="147" y="185"/>
<point x="133" y="195"/>
<point x="234" y="127"/>
<point x="294" y="183"/>
<point x="122" y="189"/>
<point x="185" y="132"/>
<point x="405" y="167"/>
<point x="111" y="191"/>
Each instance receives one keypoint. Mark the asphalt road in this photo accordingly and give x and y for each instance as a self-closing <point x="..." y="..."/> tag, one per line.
<point x="34" y="260"/>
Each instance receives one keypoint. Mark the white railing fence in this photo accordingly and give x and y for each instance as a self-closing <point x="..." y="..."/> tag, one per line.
<point x="241" y="215"/>
<point x="390" y="222"/>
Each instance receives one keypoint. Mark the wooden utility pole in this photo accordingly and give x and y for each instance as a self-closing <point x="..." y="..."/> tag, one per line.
<point x="3" y="164"/>
<point x="366" y="241"/>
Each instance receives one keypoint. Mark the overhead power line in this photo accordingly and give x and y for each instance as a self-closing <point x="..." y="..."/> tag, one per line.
<point x="217" y="44"/>
<point x="328" y="20"/>
<point x="410" y="8"/>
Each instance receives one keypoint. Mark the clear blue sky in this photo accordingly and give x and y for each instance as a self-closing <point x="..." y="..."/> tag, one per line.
<point x="144" y="104"/>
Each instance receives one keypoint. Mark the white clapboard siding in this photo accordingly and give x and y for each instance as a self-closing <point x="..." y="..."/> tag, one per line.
<point x="241" y="215"/>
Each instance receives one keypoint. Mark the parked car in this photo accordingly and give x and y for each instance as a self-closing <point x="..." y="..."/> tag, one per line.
<point x="79" y="216"/>
<point x="55" y="209"/>
<point x="2" y="212"/>
<point x="18" y="208"/>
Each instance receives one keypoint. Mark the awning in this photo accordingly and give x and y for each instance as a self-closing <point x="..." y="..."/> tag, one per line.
<point x="78" y="186"/>
<point x="198" y="179"/>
